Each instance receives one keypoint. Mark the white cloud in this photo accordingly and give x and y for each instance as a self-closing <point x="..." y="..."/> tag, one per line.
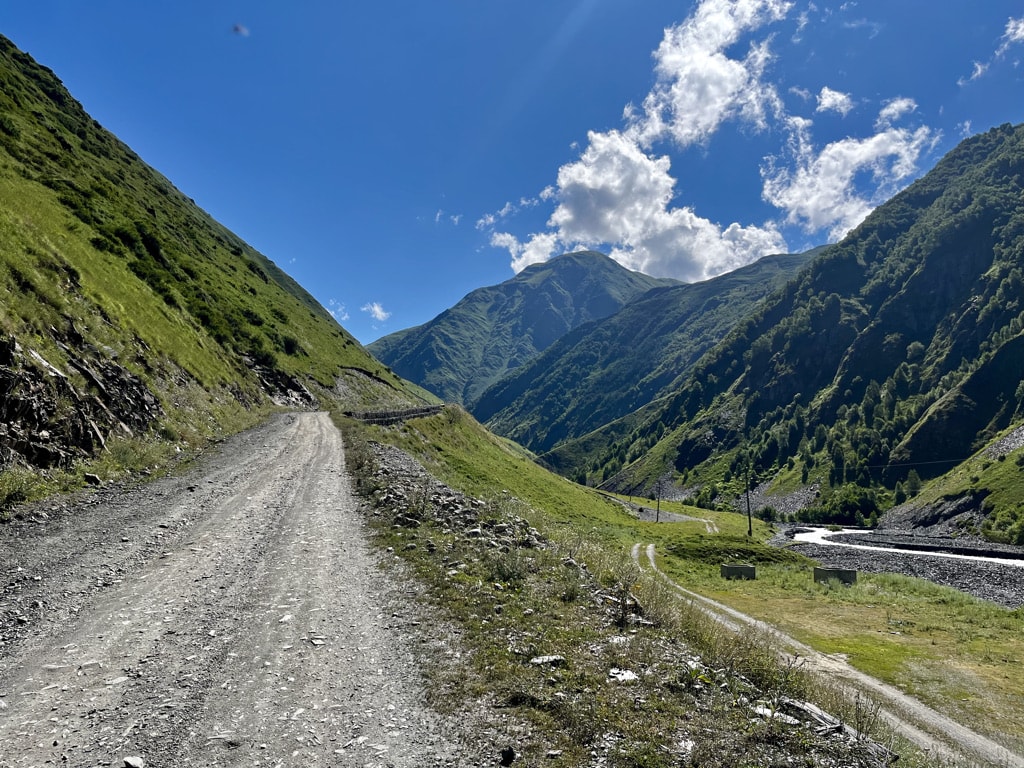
<point x="699" y="86"/>
<point x="893" y="110"/>
<point x="821" y="192"/>
<point x="618" y="195"/>
<point x="801" y="24"/>
<point x="337" y="310"/>
<point x="830" y="100"/>
<point x="1014" y="34"/>
<point x="488" y="220"/>
<point x="873" y="27"/>
<point x="979" y="70"/>
<point x="376" y="311"/>
<point x="540" y="247"/>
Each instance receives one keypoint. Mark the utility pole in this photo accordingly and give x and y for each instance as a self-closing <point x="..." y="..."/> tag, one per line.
<point x="750" y="520"/>
<point x="657" y="514"/>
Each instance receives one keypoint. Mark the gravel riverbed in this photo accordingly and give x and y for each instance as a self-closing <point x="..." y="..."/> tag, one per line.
<point x="1000" y="583"/>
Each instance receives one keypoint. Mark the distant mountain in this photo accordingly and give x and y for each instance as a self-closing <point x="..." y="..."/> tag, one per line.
<point x="609" y="368"/>
<point x="896" y="355"/>
<point x="126" y="312"/>
<point x="494" y="330"/>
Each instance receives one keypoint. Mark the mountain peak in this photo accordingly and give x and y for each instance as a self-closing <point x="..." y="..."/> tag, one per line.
<point x="495" y="329"/>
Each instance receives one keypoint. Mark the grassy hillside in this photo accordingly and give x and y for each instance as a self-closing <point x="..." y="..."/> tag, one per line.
<point x="611" y="367"/>
<point x="125" y="310"/>
<point x="497" y="329"/>
<point x="510" y="604"/>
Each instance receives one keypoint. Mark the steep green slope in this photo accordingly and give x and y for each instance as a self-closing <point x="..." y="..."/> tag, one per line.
<point x="611" y="367"/>
<point x="494" y="330"/>
<point x="896" y="355"/>
<point x="125" y="310"/>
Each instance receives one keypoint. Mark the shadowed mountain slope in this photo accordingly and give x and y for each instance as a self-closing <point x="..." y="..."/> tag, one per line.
<point x="494" y="330"/>
<point x="609" y="368"/>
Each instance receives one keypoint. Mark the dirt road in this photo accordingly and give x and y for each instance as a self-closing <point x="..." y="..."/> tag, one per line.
<point x="231" y="616"/>
<point x="918" y="723"/>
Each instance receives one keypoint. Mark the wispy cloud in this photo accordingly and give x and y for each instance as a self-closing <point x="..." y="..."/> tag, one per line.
<point x="1013" y="34"/>
<point x="830" y="100"/>
<point x="873" y="27"/>
<point x="488" y="220"/>
<point x="819" y="191"/>
<point x="376" y="311"/>
<point x="443" y="217"/>
<point x="337" y="310"/>
<point x="893" y="110"/>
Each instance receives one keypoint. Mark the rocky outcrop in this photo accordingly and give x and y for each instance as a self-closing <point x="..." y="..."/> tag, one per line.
<point x="49" y="417"/>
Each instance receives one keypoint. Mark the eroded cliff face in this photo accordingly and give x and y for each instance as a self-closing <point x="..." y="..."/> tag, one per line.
<point x="49" y="417"/>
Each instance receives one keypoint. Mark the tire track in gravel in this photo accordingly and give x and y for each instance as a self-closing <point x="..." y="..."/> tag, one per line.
<point x="254" y="628"/>
<point x="918" y="723"/>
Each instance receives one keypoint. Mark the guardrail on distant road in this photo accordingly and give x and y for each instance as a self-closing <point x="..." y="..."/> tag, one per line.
<point x="394" y="417"/>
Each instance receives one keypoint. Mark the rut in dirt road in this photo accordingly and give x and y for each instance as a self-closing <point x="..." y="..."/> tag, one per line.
<point x="253" y="630"/>
<point x="937" y="733"/>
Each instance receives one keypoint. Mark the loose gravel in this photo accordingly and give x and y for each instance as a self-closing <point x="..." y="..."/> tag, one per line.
<point x="997" y="582"/>
<point x="234" y="615"/>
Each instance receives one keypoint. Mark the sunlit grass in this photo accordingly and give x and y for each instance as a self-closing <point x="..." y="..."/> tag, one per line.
<point x="544" y="605"/>
<point x="905" y="631"/>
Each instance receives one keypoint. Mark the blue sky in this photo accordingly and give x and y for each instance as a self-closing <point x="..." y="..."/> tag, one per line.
<point x="393" y="156"/>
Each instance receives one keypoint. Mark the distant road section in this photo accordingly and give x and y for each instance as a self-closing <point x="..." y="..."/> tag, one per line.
<point x="395" y="416"/>
<point x="232" y="616"/>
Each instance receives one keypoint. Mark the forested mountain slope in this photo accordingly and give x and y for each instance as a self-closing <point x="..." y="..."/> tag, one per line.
<point x="611" y="367"/>
<point x="895" y="356"/>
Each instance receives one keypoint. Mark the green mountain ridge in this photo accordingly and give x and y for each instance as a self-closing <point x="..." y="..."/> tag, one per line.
<point x="496" y="329"/>
<point x="125" y="310"/>
<point x="608" y="368"/>
<point x="895" y="356"/>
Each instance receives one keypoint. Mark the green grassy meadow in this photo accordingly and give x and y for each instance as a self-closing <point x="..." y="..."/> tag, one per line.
<point x="958" y="654"/>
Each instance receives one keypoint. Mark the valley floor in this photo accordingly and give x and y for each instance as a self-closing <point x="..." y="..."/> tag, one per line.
<point x="929" y="730"/>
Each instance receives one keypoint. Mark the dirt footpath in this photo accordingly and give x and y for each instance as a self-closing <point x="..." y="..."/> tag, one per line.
<point x="230" y="616"/>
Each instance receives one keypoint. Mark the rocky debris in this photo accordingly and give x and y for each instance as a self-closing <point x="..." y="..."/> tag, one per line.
<point x="410" y="496"/>
<point x="998" y="582"/>
<point x="784" y="504"/>
<point x="284" y="390"/>
<point x="47" y="419"/>
<point x="1008" y="443"/>
<point x="944" y="517"/>
<point x="549" y="661"/>
<point x="407" y="497"/>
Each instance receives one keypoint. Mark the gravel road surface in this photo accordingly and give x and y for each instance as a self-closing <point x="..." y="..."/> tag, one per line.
<point x="233" y="615"/>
